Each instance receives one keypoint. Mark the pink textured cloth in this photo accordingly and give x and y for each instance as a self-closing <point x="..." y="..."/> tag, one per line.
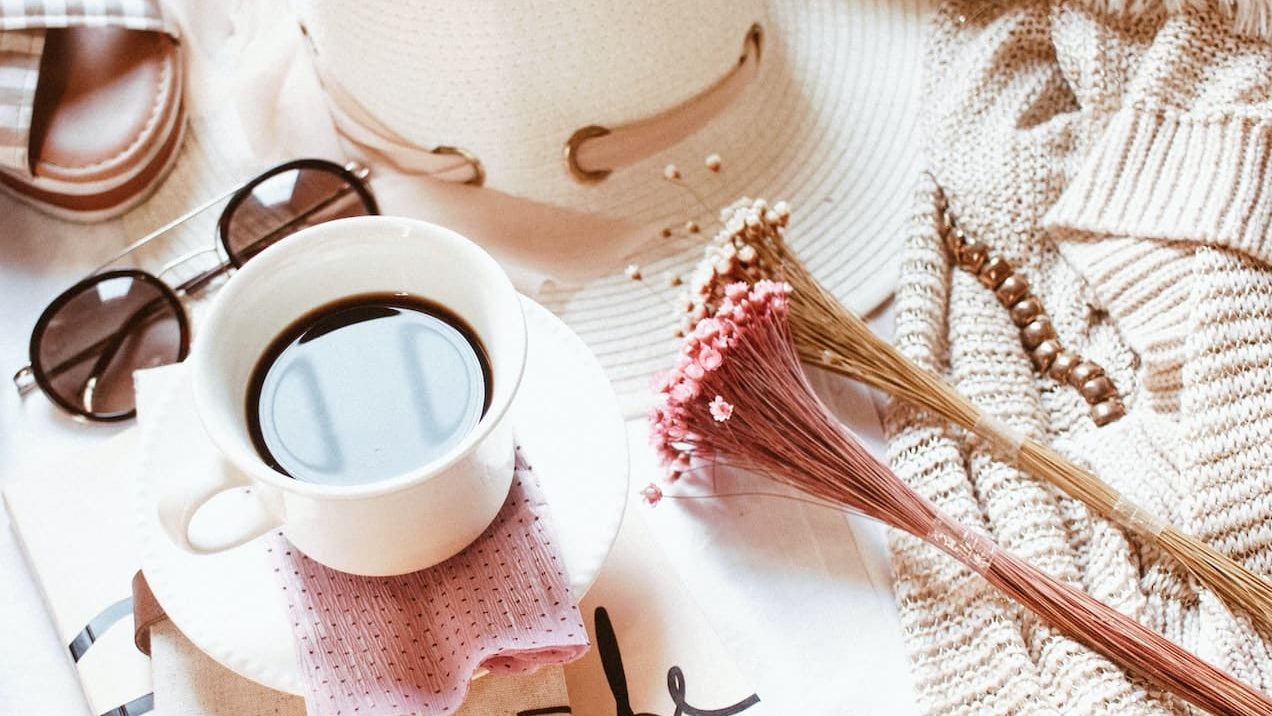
<point x="411" y="644"/>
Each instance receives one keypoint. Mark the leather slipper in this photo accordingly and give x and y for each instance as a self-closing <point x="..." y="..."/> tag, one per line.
<point x="102" y="106"/>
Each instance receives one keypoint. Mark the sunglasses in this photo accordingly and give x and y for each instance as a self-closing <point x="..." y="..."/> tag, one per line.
<point x="91" y="338"/>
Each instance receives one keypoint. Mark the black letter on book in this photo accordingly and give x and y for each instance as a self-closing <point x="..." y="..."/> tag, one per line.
<point x="612" y="663"/>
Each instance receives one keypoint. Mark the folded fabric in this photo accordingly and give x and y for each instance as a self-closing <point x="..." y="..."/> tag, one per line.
<point x="411" y="644"/>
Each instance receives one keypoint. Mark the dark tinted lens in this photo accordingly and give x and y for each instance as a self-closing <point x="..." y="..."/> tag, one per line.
<point x="98" y="334"/>
<point x="285" y="203"/>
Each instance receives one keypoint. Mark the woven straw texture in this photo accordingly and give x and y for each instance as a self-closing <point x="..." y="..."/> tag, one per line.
<point x="828" y="123"/>
<point x="1119" y="162"/>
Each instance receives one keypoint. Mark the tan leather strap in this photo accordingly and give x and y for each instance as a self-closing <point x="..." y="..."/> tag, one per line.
<point x="592" y="152"/>
<point x="146" y="612"/>
<point x="357" y="124"/>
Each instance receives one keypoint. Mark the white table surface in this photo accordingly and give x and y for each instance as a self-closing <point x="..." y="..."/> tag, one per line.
<point x="800" y="595"/>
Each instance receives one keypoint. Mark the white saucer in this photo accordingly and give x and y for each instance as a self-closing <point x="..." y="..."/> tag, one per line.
<point x="229" y="604"/>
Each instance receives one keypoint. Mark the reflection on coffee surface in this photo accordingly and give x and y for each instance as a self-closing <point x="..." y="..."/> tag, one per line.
<point x="366" y="388"/>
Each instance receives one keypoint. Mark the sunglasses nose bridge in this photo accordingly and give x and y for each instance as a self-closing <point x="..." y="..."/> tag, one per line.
<point x="180" y="261"/>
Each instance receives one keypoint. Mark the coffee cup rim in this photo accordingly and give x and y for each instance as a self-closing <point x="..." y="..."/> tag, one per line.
<point x="247" y="460"/>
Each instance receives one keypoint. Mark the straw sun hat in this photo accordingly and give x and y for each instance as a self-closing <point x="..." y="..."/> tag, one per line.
<point x="810" y="101"/>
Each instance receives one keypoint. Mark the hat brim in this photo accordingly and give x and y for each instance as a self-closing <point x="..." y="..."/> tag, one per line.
<point x="829" y="125"/>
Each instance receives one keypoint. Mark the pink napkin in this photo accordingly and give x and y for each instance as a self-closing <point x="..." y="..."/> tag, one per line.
<point x="410" y="644"/>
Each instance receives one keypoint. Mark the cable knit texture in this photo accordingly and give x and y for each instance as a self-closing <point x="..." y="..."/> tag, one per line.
<point x="1120" y="162"/>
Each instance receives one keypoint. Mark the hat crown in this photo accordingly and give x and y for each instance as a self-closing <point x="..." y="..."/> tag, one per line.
<point x="504" y="78"/>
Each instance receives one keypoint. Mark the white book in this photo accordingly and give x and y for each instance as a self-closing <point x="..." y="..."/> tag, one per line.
<point x="74" y="521"/>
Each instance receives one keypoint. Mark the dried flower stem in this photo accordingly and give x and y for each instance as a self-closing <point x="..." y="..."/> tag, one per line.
<point x="778" y="428"/>
<point x="828" y="335"/>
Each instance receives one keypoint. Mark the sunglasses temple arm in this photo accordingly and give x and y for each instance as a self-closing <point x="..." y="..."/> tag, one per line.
<point x="358" y="170"/>
<point x="170" y="225"/>
<point x="116" y="340"/>
<point x="24" y="379"/>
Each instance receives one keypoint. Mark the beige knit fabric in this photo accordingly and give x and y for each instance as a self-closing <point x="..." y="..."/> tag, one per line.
<point x="1122" y="164"/>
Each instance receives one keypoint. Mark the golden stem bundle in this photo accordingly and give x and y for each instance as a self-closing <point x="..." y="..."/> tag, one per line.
<point x="827" y="334"/>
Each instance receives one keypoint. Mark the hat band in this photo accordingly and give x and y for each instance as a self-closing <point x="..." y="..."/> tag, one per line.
<point x="594" y="151"/>
<point x="591" y="153"/>
<point x="358" y="125"/>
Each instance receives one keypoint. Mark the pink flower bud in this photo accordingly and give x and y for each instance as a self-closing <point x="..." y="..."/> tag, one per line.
<point x="736" y="291"/>
<point x="721" y="409"/>
<point x="652" y="493"/>
<point x="707" y="329"/>
<point x="686" y="390"/>
<point x="695" y="371"/>
<point x="709" y="358"/>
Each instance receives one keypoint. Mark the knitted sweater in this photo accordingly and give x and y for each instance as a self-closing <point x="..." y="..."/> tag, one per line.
<point x="1121" y="163"/>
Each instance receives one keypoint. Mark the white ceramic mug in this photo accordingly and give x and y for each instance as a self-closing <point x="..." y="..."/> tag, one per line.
<point x="391" y="526"/>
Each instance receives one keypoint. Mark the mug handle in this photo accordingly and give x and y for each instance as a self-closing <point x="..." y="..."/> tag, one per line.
<point x="182" y="499"/>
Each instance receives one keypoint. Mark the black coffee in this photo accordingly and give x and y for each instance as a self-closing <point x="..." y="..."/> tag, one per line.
<point x="366" y="388"/>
